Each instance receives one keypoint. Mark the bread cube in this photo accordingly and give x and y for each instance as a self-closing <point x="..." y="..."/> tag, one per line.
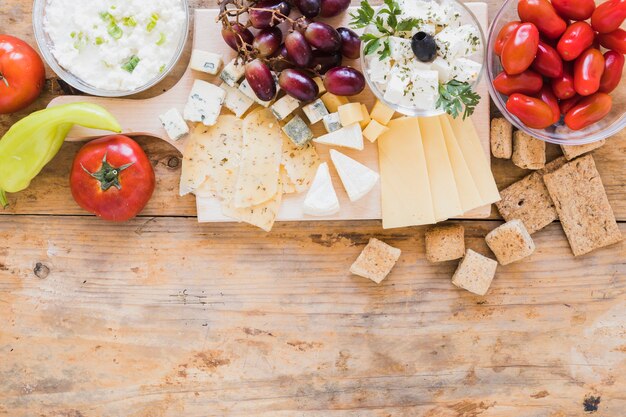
<point x="528" y="152"/>
<point x="501" y="138"/>
<point x="510" y="242"/>
<point x="445" y="243"/>
<point x="376" y="261"/>
<point x="475" y="273"/>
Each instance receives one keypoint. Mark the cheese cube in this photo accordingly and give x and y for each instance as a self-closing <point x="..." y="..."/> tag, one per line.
<point x="297" y="131"/>
<point x="465" y="70"/>
<point x="347" y="137"/>
<point x="400" y="48"/>
<point x="426" y="82"/>
<point x="379" y="69"/>
<point x="320" y="85"/>
<point x="236" y="101"/>
<point x="332" y="102"/>
<point x="332" y="122"/>
<point x="397" y="87"/>
<point x="315" y="111"/>
<point x="374" y="130"/>
<point x="443" y="68"/>
<point x="284" y="107"/>
<point x="232" y="72"/>
<point x="245" y="88"/>
<point x="174" y="124"/>
<point x="457" y="42"/>
<point x="366" y="116"/>
<point x="205" y="61"/>
<point x="381" y="113"/>
<point x="205" y="103"/>
<point x="350" y="113"/>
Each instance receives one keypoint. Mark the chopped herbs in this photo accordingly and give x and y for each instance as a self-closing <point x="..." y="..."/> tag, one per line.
<point x="114" y="30"/>
<point x="456" y="97"/>
<point x="99" y="40"/>
<point x="131" y="64"/>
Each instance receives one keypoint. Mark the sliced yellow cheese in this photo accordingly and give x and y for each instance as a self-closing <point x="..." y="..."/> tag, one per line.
<point x="366" y="116"/>
<point x="261" y="215"/>
<point x="300" y="165"/>
<point x="261" y="155"/>
<point x="474" y="154"/>
<point x="468" y="192"/>
<point x="381" y="113"/>
<point x="289" y="187"/>
<point x="350" y="113"/>
<point x="405" y="187"/>
<point x="442" y="184"/>
<point x="374" y="130"/>
<point x="332" y="102"/>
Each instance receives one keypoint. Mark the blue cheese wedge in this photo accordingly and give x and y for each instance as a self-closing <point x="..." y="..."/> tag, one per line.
<point x="204" y="61"/>
<point x="321" y="200"/>
<point x="174" y="124"/>
<point x="315" y="111"/>
<point x="236" y="101"/>
<point x="298" y="131"/>
<point x="332" y="122"/>
<point x="357" y="179"/>
<point x="204" y="103"/>
<point x="232" y="73"/>
<point x="284" y="107"/>
<point x="346" y="137"/>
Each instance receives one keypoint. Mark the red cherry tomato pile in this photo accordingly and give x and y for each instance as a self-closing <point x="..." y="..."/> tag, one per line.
<point x="553" y="65"/>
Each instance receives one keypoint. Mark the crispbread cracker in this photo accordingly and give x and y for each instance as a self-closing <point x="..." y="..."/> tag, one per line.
<point x="501" y="138"/>
<point x="510" y="242"/>
<point x="376" y="261"/>
<point x="445" y="242"/>
<point x="583" y="207"/>
<point x="528" y="152"/>
<point x="475" y="273"/>
<point x="574" y="151"/>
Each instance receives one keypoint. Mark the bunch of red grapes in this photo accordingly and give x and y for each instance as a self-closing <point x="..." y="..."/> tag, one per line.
<point x="309" y="48"/>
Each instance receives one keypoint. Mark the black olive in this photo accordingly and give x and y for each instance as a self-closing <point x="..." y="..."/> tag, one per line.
<point x="424" y="47"/>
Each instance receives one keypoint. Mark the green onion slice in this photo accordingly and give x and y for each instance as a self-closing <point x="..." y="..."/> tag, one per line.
<point x="131" y="64"/>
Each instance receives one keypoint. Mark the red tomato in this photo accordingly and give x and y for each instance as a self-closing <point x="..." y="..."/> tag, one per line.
<point x="588" y="111"/>
<point x="609" y="16"/>
<point x="533" y="112"/>
<point x="528" y="82"/>
<point x="503" y="35"/>
<point x="567" y="105"/>
<point x="588" y="70"/>
<point x="613" y="68"/>
<point x="520" y="49"/>
<point x="22" y="74"/>
<point x="574" y="9"/>
<point x="548" y="62"/>
<point x="615" y="40"/>
<point x="577" y="38"/>
<point x="547" y="96"/>
<point x="563" y="86"/>
<point x="541" y="14"/>
<point x="112" y="178"/>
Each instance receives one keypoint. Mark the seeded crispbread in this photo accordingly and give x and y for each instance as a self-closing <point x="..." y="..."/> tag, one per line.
<point x="501" y="138"/>
<point x="376" y="261"/>
<point x="475" y="273"/>
<point x="445" y="242"/>
<point x="574" y="151"/>
<point x="528" y="152"/>
<point x="529" y="201"/>
<point x="510" y="242"/>
<point x="583" y="207"/>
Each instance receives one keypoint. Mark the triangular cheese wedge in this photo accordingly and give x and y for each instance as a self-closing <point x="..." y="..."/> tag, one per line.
<point x="347" y="137"/>
<point x="321" y="200"/>
<point x="357" y="179"/>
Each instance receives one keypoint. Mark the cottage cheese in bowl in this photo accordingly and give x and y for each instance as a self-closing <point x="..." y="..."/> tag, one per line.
<point x="115" y="45"/>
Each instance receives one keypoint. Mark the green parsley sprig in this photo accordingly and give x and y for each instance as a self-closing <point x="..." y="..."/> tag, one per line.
<point x="456" y="97"/>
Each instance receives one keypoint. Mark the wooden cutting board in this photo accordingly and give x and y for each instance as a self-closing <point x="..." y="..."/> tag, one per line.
<point x="140" y="117"/>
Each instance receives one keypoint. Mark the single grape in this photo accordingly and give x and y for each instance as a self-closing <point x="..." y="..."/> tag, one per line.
<point x="299" y="51"/>
<point x="350" y="43"/>
<point x="262" y="19"/>
<point x="268" y="41"/>
<point x="309" y="8"/>
<point x="323" y="61"/>
<point x="261" y="81"/>
<point x="298" y="84"/>
<point x="235" y="33"/>
<point x="301" y="24"/>
<point x="323" y="37"/>
<point x="332" y="8"/>
<point x="344" y="81"/>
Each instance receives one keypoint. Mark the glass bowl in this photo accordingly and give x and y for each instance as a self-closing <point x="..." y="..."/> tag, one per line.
<point x="559" y="133"/>
<point x="45" y="43"/>
<point x="467" y="17"/>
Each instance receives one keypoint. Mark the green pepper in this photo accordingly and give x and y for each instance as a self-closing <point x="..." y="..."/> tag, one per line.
<point x="33" y="141"/>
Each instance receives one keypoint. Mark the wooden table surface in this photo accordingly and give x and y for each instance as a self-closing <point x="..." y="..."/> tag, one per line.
<point x="164" y="317"/>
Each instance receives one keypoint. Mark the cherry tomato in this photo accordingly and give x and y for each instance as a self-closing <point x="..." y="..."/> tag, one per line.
<point x="574" y="9"/>
<point x="503" y="35"/>
<point x="528" y="82"/>
<point x="613" y="69"/>
<point x="609" y="16"/>
<point x="588" y="111"/>
<point x="615" y="40"/>
<point x="547" y="96"/>
<point x="533" y="112"/>
<point x="588" y="70"/>
<point x="22" y="74"/>
<point x="563" y="86"/>
<point x="548" y="62"/>
<point x="577" y="38"/>
<point x="542" y="14"/>
<point x="112" y="177"/>
<point x="567" y="105"/>
<point x="520" y="49"/>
